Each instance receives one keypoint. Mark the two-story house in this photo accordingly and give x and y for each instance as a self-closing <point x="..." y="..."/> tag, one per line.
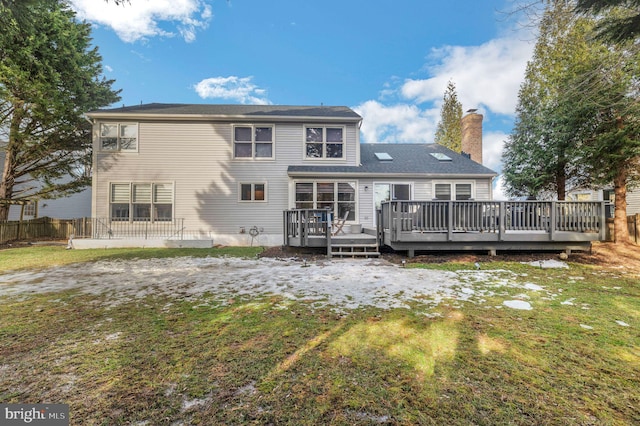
<point x="227" y="172"/>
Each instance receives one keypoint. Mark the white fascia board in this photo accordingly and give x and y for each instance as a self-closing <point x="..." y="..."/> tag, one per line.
<point x="391" y="175"/>
<point x="224" y="118"/>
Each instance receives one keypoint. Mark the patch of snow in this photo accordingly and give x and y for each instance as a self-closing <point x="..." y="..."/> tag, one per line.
<point x="568" y="301"/>
<point x="518" y="304"/>
<point x="548" y="264"/>
<point x="622" y="323"/>
<point x="190" y="403"/>
<point x="586" y="327"/>
<point x="248" y="389"/>
<point x="536" y="287"/>
<point x="113" y="336"/>
<point x="340" y="284"/>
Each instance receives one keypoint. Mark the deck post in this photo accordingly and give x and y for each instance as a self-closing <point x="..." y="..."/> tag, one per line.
<point x="328" y="235"/>
<point x="603" y="223"/>
<point x="285" y="228"/>
<point x="450" y="220"/>
<point x="552" y="225"/>
<point x="301" y="230"/>
<point x="502" y="215"/>
<point x="393" y="220"/>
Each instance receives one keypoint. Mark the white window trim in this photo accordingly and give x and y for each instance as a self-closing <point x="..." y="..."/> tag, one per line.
<point x="131" y="203"/>
<point x="253" y="192"/>
<point x="356" y="183"/>
<point x="452" y="184"/>
<point x="118" y="149"/>
<point x="253" y="142"/>
<point x="324" y="142"/>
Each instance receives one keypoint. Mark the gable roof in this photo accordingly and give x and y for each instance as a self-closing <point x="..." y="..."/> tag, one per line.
<point x="407" y="159"/>
<point x="229" y="112"/>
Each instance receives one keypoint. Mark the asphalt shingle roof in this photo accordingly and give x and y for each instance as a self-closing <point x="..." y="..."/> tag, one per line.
<point x="236" y="110"/>
<point x="408" y="159"/>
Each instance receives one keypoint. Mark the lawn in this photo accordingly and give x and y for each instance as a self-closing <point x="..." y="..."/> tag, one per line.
<point x="200" y="358"/>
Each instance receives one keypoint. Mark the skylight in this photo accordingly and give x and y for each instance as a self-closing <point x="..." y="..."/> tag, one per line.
<point x="440" y="156"/>
<point x="383" y="156"/>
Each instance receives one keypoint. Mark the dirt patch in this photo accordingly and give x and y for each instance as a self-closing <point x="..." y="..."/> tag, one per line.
<point x="607" y="255"/>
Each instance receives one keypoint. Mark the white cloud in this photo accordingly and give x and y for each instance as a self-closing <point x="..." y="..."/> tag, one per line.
<point x="237" y="89"/>
<point x="141" y="19"/>
<point x="397" y="123"/>
<point x="488" y="75"/>
<point x="499" y="193"/>
<point x="492" y="144"/>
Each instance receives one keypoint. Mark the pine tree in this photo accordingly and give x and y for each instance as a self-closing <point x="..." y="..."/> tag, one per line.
<point x="49" y="76"/>
<point x="620" y="26"/>
<point x="449" y="130"/>
<point x="577" y="123"/>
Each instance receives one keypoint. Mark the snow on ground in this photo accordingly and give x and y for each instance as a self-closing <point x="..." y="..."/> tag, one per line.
<point x="548" y="264"/>
<point x="342" y="284"/>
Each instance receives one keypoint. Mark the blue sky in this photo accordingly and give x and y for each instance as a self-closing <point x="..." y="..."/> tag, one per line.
<point x="389" y="61"/>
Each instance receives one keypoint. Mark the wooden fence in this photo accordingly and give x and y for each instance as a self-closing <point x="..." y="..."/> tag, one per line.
<point x="44" y="228"/>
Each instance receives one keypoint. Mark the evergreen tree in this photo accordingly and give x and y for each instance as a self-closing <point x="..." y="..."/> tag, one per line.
<point x="49" y="76"/>
<point x="539" y="152"/>
<point x="449" y="130"/>
<point x="577" y="123"/>
<point x="622" y="25"/>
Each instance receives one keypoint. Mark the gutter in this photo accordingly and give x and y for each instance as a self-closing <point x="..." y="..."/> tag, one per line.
<point x="391" y="175"/>
<point x="223" y="118"/>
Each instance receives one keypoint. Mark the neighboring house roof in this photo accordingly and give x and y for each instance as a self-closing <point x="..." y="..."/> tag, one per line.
<point x="229" y="112"/>
<point x="407" y="159"/>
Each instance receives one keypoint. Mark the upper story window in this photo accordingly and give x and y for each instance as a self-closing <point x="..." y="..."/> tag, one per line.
<point x="324" y="142"/>
<point x="119" y="136"/>
<point x="253" y="142"/>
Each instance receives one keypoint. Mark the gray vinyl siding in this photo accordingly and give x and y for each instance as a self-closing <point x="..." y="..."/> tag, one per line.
<point x="197" y="157"/>
<point x="633" y="202"/>
<point x="71" y="207"/>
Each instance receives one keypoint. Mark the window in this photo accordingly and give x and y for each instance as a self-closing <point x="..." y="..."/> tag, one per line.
<point x="324" y="142"/>
<point x="453" y="191"/>
<point x="335" y="196"/>
<point x="118" y="137"/>
<point x="253" y="142"/>
<point x="30" y="208"/>
<point x="253" y="192"/>
<point x="142" y="202"/>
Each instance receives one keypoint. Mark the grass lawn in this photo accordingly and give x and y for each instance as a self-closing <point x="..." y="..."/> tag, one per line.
<point x="573" y="360"/>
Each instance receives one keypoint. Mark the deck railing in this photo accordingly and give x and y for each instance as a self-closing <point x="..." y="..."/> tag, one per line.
<point x="491" y="217"/>
<point x="300" y="224"/>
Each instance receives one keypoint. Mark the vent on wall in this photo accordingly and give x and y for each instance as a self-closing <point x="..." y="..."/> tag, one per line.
<point x="383" y="156"/>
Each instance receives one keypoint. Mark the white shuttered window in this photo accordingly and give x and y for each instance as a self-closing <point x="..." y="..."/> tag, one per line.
<point x="142" y="202"/>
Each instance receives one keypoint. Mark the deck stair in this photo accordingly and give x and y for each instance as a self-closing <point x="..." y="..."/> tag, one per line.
<point x="354" y="246"/>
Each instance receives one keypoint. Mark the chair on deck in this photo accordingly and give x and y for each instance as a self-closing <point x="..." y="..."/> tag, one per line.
<point x="339" y="223"/>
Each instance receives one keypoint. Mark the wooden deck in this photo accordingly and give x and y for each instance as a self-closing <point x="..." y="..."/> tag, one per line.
<point x="312" y="228"/>
<point x="462" y="225"/>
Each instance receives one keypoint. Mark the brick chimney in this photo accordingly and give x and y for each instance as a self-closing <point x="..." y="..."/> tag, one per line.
<point x="472" y="135"/>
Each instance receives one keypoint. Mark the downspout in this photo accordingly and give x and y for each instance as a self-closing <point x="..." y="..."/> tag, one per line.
<point x="94" y="170"/>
